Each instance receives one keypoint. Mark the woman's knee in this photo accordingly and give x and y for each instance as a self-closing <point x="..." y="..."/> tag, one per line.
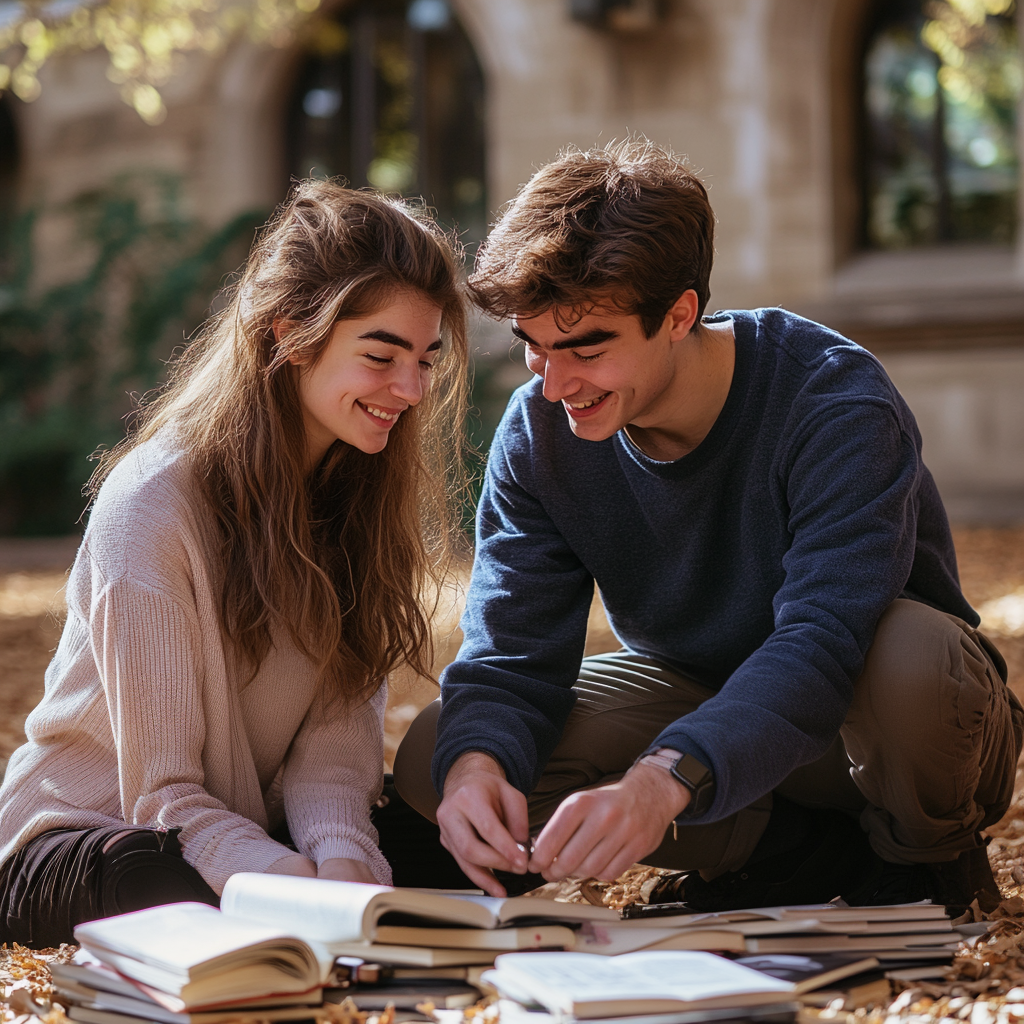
<point x="144" y="868"/>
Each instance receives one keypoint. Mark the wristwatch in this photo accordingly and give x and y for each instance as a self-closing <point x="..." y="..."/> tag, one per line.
<point x="694" y="775"/>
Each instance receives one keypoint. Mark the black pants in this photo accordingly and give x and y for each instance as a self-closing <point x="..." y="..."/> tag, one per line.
<point x="67" y="876"/>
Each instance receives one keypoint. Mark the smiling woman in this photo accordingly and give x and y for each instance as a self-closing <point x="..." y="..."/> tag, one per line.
<point x="372" y="370"/>
<point x="259" y="556"/>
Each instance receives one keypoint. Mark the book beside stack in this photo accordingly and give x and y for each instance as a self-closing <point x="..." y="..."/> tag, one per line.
<point x="647" y="987"/>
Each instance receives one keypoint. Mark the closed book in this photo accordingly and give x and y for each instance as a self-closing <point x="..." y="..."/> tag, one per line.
<point x="679" y="915"/>
<point x="415" y="956"/>
<point x="407" y="995"/>
<point x="541" y="936"/>
<point x="471" y="974"/>
<point x="511" y="1012"/>
<point x="85" y="972"/>
<point x="76" y="997"/>
<point x="98" y="1015"/>
<point x="841" y="943"/>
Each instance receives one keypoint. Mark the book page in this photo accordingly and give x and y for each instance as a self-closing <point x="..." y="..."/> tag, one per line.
<point x="505" y="910"/>
<point x="312" y="908"/>
<point x="333" y="912"/>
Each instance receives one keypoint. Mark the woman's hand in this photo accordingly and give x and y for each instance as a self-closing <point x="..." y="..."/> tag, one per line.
<point x="293" y="864"/>
<point x="344" y="869"/>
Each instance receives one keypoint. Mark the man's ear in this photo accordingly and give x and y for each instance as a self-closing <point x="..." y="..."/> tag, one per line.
<point x="684" y="314"/>
<point x="282" y="328"/>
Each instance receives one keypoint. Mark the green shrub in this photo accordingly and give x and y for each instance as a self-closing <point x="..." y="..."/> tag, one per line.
<point x="72" y="356"/>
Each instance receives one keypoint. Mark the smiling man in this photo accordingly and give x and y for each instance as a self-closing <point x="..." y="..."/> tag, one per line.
<point x="802" y="707"/>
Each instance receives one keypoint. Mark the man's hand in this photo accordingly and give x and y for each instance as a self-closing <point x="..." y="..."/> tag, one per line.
<point x="346" y="869"/>
<point x="599" y="833"/>
<point x="483" y="821"/>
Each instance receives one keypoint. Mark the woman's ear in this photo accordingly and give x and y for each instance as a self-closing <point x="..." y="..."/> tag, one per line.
<point x="282" y="328"/>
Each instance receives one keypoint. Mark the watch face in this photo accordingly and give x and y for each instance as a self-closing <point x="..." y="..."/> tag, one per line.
<point x="697" y="778"/>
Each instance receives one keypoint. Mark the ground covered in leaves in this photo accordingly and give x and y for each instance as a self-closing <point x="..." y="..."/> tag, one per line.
<point x="985" y="985"/>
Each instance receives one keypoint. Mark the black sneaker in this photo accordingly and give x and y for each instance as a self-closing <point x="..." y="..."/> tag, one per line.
<point x="832" y="857"/>
<point x="953" y="883"/>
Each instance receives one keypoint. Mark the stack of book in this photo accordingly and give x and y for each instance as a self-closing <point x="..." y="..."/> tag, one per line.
<point x="188" y="964"/>
<point x="281" y="945"/>
<point x="916" y="932"/>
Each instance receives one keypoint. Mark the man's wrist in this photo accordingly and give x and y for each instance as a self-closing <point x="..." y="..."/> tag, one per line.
<point x="472" y="762"/>
<point x="668" y="793"/>
<point x="691" y="774"/>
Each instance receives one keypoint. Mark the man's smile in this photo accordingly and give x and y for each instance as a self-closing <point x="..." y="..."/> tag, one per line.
<point x="582" y="408"/>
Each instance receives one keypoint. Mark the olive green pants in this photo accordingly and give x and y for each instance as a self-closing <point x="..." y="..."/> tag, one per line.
<point x="926" y="757"/>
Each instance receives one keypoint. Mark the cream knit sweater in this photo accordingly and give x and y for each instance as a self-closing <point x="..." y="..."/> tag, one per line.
<point x="147" y="718"/>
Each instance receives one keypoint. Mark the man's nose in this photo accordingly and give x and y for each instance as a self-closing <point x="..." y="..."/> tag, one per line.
<point x="559" y="383"/>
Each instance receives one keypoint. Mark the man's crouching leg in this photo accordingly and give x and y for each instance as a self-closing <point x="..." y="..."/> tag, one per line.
<point x="933" y="736"/>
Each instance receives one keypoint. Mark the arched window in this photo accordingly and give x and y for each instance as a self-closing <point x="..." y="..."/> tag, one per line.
<point x="391" y="95"/>
<point x="942" y="82"/>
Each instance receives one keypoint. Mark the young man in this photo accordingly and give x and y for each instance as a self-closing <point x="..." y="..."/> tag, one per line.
<point x="803" y="707"/>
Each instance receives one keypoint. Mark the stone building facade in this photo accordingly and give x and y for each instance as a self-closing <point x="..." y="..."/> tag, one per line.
<point x="762" y="95"/>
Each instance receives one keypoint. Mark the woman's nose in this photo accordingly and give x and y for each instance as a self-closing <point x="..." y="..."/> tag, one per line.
<point x="408" y="385"/>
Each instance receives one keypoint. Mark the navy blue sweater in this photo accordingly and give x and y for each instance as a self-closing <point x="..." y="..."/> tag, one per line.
<point x="758" y="564"/>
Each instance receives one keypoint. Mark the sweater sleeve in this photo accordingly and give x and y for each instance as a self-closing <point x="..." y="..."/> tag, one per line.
<point x="332" y="775"/>
<point x="849" y="481"/>
<point x="147" y="651"/>
<point x="509" y="692"/>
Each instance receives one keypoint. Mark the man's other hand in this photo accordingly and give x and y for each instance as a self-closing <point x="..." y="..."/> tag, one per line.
<point x="599" y="833"/>
<point x="483" y="821"/>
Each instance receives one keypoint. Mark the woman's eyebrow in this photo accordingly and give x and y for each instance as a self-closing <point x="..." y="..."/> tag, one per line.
<point x="389" y="338"/>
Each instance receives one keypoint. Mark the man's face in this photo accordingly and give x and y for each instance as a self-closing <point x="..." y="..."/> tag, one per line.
<point x="603" y="369"/>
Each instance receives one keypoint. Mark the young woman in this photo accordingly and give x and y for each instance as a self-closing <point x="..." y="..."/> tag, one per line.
<point x="255" y="563"/>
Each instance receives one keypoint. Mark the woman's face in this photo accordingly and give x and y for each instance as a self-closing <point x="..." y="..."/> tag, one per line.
<point x="372" y="370"/>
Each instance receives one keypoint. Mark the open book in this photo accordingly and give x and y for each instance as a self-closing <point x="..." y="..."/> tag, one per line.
<point x="337" y="913"/>
<point x="586" y="986"/>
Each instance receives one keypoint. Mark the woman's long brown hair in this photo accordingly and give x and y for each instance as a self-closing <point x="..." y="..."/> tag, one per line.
<point x="349" y="559"/>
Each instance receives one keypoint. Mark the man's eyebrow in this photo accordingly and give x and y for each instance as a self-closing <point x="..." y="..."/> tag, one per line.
<point x="394" y="339"/>
<point x="595" y="336"/>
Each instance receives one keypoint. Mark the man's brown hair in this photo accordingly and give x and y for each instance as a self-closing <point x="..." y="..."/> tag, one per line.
<point x="628" y="225"/>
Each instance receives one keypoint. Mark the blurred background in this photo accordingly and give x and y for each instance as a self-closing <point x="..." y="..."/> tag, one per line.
<point x="863" y="159"/>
